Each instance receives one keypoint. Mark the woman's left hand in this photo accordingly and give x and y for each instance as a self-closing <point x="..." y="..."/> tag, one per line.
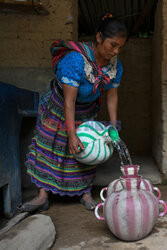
<point x="75" y="144"/>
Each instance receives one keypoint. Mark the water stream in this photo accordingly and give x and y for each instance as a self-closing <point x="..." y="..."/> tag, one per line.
<point x="123" y="152"/>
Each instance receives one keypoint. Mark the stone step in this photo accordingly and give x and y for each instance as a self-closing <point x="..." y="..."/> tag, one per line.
<point x="110" y="170"/>
<point x="36" y="232"/>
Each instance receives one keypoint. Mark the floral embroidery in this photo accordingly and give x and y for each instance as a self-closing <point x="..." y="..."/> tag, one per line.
<point x="88" y="71"/>
<point x="69" y="81"/>
<point x="115" y="85"/>
<point x="110" y="69"/>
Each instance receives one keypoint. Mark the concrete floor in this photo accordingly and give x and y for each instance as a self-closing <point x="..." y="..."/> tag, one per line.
<point x="78" y="229"/>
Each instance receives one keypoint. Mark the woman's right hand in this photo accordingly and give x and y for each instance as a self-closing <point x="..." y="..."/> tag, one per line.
<point x="74" y="143"/>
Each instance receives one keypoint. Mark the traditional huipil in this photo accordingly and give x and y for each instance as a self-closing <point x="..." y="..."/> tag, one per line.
<point x="49" y="162"/>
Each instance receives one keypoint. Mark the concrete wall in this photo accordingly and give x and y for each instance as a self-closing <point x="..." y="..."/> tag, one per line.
<point x="26" y="62"/>
<point x="156" y="102"/>
<point x="159" y="88"/>
<point x="25" y="41"/>
<point x="134" y="96"/>
<point x="164" y="88"/>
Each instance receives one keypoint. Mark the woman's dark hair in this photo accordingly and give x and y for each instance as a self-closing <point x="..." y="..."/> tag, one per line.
<point x="111" y="27"/>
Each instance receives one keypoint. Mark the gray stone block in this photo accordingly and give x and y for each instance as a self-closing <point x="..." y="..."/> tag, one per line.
<point x="36" y="232"/>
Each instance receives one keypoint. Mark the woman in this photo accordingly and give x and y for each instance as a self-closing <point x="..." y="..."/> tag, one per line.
<point x="83" y="71"/>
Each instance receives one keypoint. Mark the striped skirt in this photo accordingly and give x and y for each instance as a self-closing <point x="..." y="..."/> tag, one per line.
<point x="49" y="162"/>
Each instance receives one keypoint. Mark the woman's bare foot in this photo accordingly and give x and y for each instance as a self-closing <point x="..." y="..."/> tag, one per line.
<point x="88" y="201"/>
<point x="40" y="199"/>
<point x="38" y="203"/>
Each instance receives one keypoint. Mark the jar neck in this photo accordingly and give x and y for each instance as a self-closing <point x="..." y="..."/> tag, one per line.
<point x="131" y="183"/>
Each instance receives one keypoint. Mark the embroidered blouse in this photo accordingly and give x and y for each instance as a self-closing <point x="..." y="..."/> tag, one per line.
<point x="75" y="70"/>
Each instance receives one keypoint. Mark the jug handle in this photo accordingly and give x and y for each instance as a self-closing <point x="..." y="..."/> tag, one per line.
<point x="165" y="206"/>
<point x="159" y="192"/>
<point x="96" y="211"/>
<point x="101" y="193"/>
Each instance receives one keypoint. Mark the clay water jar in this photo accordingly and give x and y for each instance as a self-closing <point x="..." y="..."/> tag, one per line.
<point x="129" y="171"/>
<point x="131" y="213"/>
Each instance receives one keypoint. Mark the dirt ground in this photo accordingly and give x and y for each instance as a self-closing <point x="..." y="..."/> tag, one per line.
<point x="76" y="225"/>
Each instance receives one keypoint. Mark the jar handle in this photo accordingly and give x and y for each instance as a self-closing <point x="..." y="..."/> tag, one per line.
<point x="159" y="192"/>
<point x="101" y="193"/>
<point x="96" y="211"/>
<point x="165" y="208"/>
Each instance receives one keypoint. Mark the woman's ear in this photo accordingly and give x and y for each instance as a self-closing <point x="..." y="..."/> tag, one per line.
<point x="98" y="37"/>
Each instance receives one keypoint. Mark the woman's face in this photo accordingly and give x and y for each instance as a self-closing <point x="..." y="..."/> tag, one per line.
<point x="110" y="46"/>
